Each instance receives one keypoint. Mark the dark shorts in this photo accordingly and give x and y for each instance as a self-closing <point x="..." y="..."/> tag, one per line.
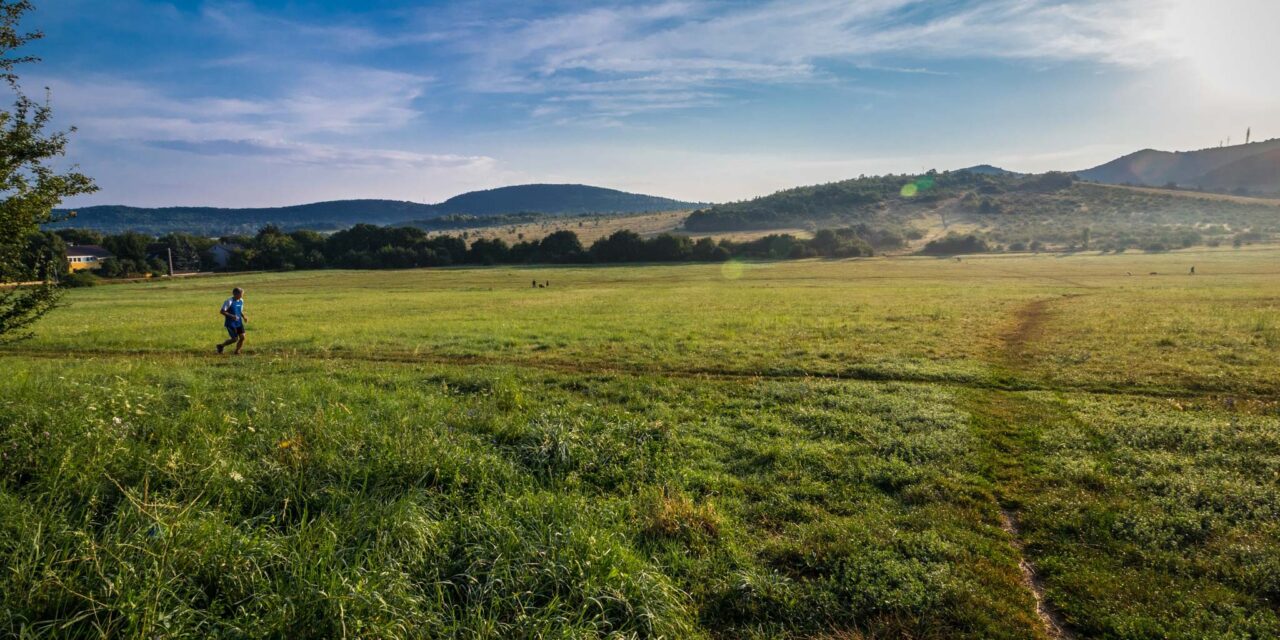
<point x="236" y="331"/>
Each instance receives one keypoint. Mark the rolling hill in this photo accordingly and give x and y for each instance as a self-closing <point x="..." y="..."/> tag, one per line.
<point x="990" y="170"/>
<point x="548" y="199"/>
<point x="1004" y="210"/>
<point x="555" y="199"/>
<point x="1246" y="169"/>
<point x="1259" y="173"/>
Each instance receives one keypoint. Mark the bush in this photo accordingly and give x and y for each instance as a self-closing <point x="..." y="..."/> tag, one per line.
<point x="81" y="279"/>
<point x="954" y="244"/>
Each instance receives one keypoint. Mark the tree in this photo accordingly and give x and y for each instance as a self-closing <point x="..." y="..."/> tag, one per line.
<point x="825" y="242"/>
<point x="274" y="250"/>
<point x="561" y="246"/>
<point x="706" y="250"/>
<point x="669" y="248"/>
<point x="80" y="236"/>
<point x="184" y="249"/>
<point x="485" y="251"/>
<point x="129" y="245"/>
<point x="30" y="187"/>
<point x="621" y="246"/>
<point x="955" y="244"/>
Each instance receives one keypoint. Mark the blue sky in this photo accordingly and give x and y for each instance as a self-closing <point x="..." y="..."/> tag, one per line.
<point x="270" y="103"/>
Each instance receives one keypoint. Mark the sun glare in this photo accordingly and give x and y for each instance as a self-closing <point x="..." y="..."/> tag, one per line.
<point x="1230" y="45"/>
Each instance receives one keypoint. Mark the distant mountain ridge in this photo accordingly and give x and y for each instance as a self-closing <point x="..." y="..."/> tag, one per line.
<point x="990" y="170"/>
<point x="1252" y="168"/>
<point x="549" y="199"/>
<point x="555" y="199"/>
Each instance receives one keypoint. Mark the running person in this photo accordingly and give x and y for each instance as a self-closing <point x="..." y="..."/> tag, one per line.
<point x="233" y="319"/>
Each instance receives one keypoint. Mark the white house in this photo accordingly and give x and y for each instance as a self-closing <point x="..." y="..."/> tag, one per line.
<point x="222" y="252"/>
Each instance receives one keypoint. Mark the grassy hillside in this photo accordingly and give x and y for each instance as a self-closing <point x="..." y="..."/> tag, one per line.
<point x="1007" y="211"/>
<point x="1259" y="173"/>
<point x="864" y="448"/>
<point x="1246" y="168"/>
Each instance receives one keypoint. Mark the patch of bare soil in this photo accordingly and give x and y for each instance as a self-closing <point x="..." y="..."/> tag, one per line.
<point x="1053" y="626"/>
<point x="1028" y="322"/>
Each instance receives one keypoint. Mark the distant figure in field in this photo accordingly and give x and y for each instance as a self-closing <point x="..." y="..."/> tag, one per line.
<point x="233" y="320"/>
<point x="548" y="284"/>
<point x="535" y="284"/>
<point x="1193" y="269"/>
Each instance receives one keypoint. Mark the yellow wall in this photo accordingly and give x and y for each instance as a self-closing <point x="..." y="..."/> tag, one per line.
<point x="83" y="266"/>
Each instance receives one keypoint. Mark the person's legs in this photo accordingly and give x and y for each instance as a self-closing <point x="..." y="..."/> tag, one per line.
<point x="240" y="341"/>
<point x="222" y="345"/>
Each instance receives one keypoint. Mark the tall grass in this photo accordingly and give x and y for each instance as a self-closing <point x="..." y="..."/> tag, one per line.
<point x="436" y="454"/>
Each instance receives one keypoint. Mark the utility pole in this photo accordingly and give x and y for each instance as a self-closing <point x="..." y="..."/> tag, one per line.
<point x="1247" y="132"/>
<point x="170" y="250"/>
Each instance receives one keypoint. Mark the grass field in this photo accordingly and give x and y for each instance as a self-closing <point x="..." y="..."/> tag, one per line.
<point x="900" y="447"/>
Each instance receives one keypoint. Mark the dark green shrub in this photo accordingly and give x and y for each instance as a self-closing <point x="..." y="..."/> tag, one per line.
<point x="81" y="279"/>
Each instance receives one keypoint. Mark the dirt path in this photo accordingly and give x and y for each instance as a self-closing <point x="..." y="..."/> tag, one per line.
<point x="1053" y="626"/>
<point x="1029" y="321"/>
<point x="1010" y="423"/>
<point x="1027" y="325"/>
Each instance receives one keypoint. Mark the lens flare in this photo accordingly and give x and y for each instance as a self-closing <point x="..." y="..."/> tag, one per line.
<point x="912" y="189"/>
<point x="732" y="270"/>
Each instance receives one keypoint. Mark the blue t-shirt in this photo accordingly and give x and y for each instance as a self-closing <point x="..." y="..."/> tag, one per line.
<point x="236" y="307"/>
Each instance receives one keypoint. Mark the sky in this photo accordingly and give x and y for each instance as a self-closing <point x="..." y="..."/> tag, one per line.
<point x="269" y="103"/>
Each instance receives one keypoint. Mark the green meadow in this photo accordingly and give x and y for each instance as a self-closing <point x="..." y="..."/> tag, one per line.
<point x="1003" y="446"/>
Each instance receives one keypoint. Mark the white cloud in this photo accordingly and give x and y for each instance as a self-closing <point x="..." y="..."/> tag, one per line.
<point x="322" y="154"/>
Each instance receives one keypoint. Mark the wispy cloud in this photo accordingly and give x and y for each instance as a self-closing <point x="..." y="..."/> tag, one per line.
<point x="241" y="22"/>
<point x="588" y="63"/>
<point x="677" y="48"/>
<point x="328" y="156"/>
<point x="328" y="102"/>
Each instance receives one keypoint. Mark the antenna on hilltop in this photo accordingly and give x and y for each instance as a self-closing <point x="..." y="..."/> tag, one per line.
<point x="1247" y="132"/>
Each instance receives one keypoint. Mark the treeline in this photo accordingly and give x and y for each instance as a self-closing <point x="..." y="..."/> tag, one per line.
<point x="373" y="247"/>
<point x="138" y="254"/>
<point x="468" y="221"/>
